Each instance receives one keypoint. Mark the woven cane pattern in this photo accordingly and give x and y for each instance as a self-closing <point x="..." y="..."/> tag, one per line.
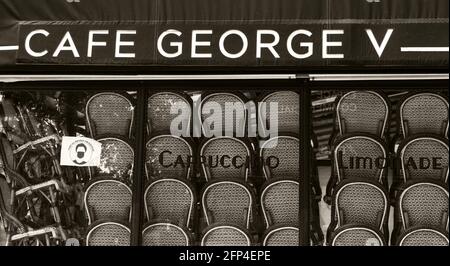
<point x="225" y="236"/>
<point x="424" y="204"/>
<point x="109" y="234"/>
<point x="430" y="151"/>
<point x="227" y="202"/>
<point x="424" y="237"/>
<point x="169" y="200"/>
<point x="232" y="112"/>
<point x="360" y="203"/>
<point x="356" y="237"/>
<point x="361" y="158"/>
<point x="281" y="157"/>
<point x="362" y="112"/>
<point x="164" y="234"/>
<point x="288" y="112"/>
<point x="162" y="157"/>
<point x="282" y="237"/>
<point x="164" y="107"/>
<point x="425" y="113"/>
<point x="110" y="113"/>
<point x="110" y="200"/>
<point x="216" y="149"/>
<point x="280" y="202"/>
<point x="116" y="159"/>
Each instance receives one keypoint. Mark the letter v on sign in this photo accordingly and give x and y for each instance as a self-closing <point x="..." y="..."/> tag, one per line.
<point x="379" y="48"/>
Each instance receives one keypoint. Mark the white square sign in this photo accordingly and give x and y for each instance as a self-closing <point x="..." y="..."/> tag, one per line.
<point x="80" y="151"/>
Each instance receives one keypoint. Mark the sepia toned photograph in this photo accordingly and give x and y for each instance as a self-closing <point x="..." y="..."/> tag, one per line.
<point x="220" y="129"/>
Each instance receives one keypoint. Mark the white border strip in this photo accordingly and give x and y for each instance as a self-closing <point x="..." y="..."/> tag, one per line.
<point x="364" y="77"/>
<point x="17" y="78"/>
<point x="312" y="77"/>
<point x="9" y="47"/>
<point x="424" y="49"/>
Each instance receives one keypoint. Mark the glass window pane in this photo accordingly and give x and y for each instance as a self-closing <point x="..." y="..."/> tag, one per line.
<point x="374" y="150"/>
<point x="222" y="168"/>
<point x="67" y="159"/>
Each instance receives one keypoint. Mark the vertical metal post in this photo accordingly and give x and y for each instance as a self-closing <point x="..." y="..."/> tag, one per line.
<point x="305" y="165"/>
<point x="138" y="171"/>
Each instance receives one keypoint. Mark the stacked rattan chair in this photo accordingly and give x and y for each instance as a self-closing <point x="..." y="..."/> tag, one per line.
<point x="361" y="153"/>
<point x="420" y="190"/>
<point x="170" y="197"/>
<point x="280" y="164"/>
<point x="358" y="187"/>
<point x="107" y="196"/>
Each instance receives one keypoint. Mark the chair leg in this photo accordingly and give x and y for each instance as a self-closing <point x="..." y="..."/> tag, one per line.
<point x="329" y="190"/>
<point x="317" y="236"/>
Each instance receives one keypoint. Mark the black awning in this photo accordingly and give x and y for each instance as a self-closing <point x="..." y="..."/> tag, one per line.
<point x="254" y="33"/>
